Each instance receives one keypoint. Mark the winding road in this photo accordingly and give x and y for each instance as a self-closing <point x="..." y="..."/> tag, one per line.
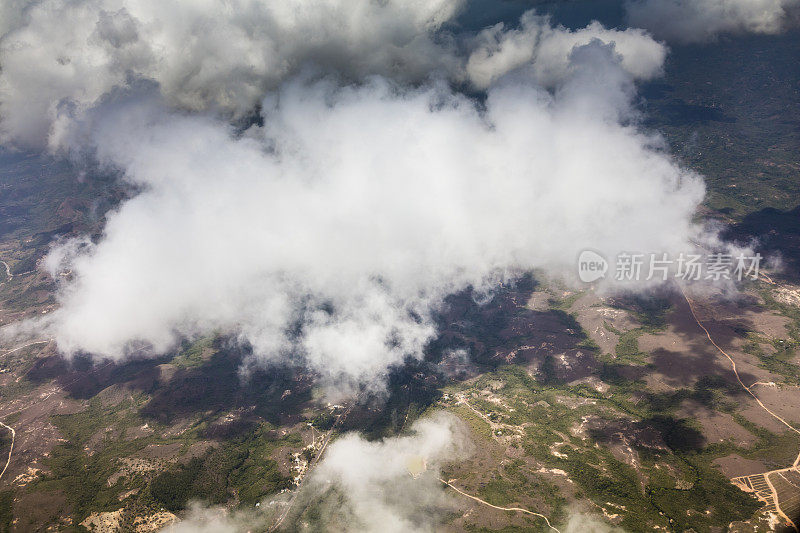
<point x="9" y="428"/>
<point x="10" y="449"/>
<point x="758" y="483"/>
<point x="461" y="399"/>
<point x="8" y="271"/>
<point x="511" y="509"/>
<point x="46" y="396"/>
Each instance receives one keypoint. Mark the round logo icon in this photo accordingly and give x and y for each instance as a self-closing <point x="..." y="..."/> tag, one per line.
<point x="591" y="266"/>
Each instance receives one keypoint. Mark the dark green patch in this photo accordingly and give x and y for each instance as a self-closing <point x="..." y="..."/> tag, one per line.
<point x="6" y="510"/>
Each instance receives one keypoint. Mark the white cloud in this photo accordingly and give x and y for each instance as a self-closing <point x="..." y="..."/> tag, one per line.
<point x="375" y="482"/>
<point x="59" y="58"/>
<point x="585" y="523"/>
<point x="386" y="486"/>
<point x="546" y="49"/>
<point x="703" y="20"/>
<point x="11" y="14"/>
<point x="203" y="520"/>
<point x="355" y="210"/>
<point x="334" y="231"/>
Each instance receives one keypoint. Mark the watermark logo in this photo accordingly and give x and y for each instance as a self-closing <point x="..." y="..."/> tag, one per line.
<point x="714" y="267"/>
<point x="591" y="266"/>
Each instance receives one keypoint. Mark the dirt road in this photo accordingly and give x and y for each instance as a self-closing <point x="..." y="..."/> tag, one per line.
<point x="10" y="449"/>
<point x="760" y="484"/>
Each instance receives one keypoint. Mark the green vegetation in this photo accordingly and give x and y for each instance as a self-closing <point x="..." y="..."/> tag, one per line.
<point x="739" y="131"/>
<point x="667" y="482"/>
<point x="516" y="480"/>
<point x="240" y="468"/>
<point x="80" y="427"/>
<point x="651" y="312"/>
<point x="533" y="527"/>
<point x="627" y="349"/>
<point x="97" y="439"/>
<point x="566" y="303"/>
<point x="83" y="477"/>
<point x="12" y="419"/>
<point x="560" y="309"/>
<point x="781" y="361"/>
<point x="625" y="448"/>
<point x="324" y="420"/>
<point x="713" y="392"/>
<point x="195" y="354"/>
<point x="5" y="443"/>
<point x="6" y="510"/>
<point x="173" y="489"/>
<point x="779" y="450"/>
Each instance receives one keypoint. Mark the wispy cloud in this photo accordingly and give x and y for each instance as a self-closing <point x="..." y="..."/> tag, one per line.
<point x="687" y="21"/>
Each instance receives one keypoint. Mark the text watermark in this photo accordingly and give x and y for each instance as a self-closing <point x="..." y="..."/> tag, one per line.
<point x="714" y="267"/>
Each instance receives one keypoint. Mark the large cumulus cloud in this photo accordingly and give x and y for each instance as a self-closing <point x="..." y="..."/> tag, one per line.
<point x="332" y="232"/>
<point x="373" y="189"/>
